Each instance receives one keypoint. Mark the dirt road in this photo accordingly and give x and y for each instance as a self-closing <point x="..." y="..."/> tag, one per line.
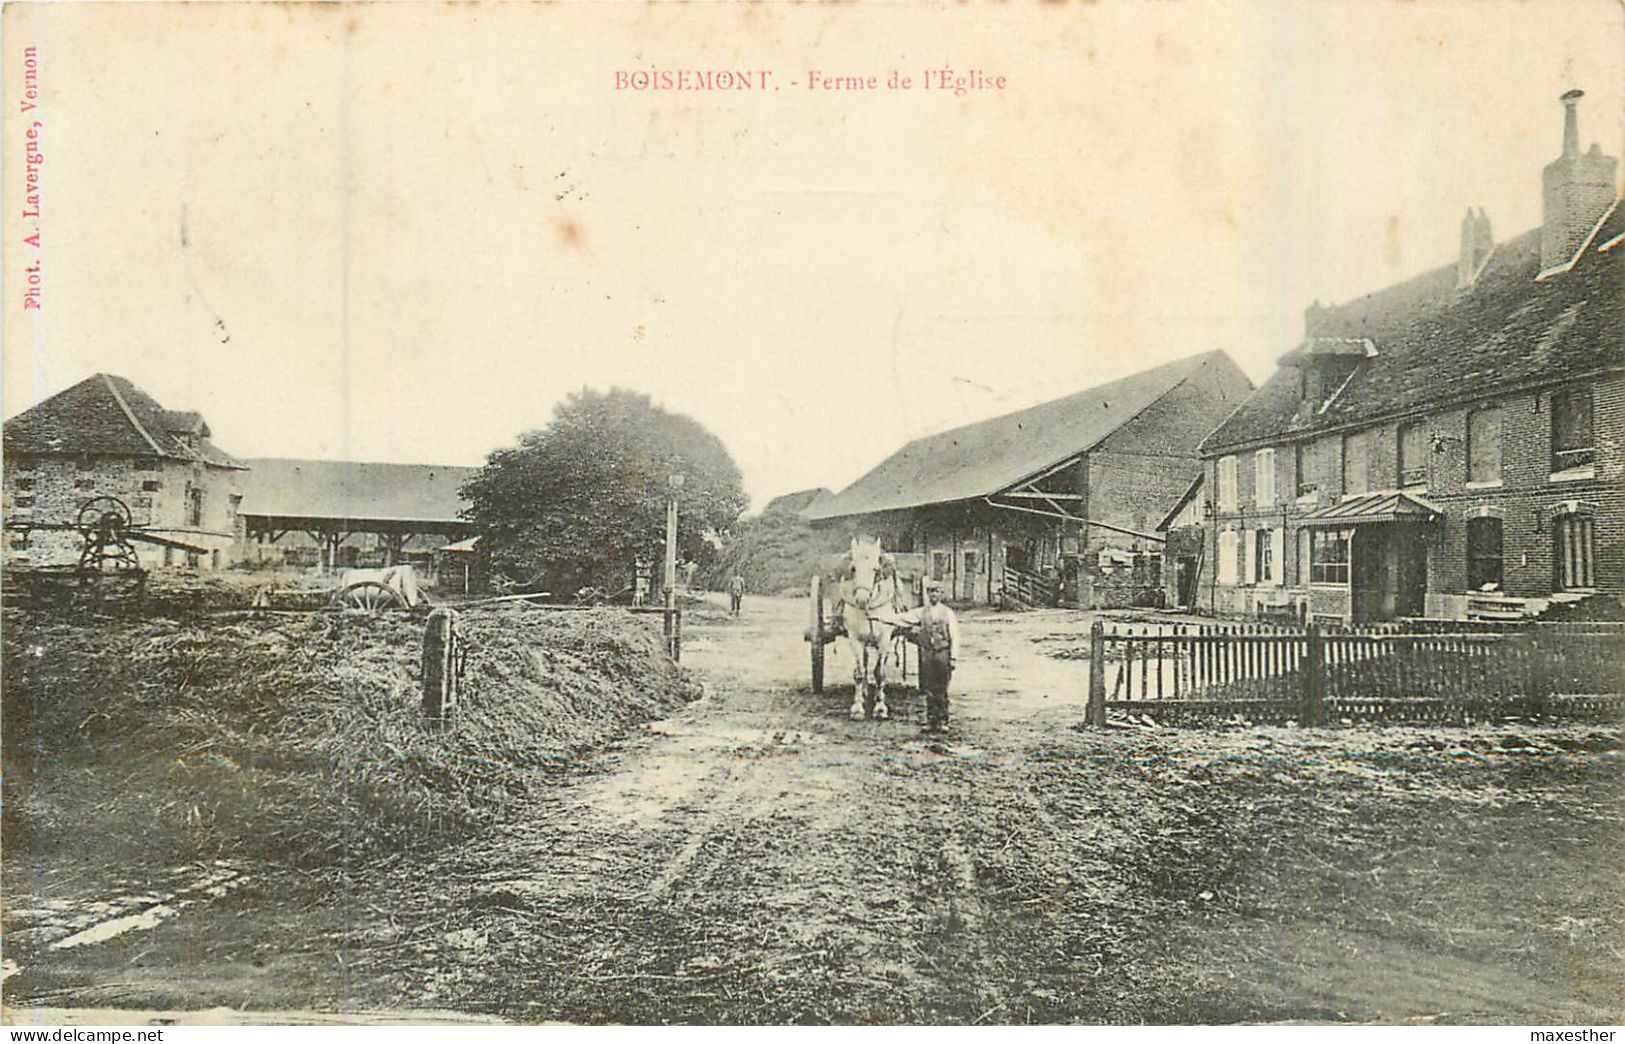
<point x="760" y="858"/>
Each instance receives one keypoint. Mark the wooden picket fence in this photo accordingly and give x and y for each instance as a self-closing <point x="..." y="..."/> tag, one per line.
<point x="1412" y="671"/>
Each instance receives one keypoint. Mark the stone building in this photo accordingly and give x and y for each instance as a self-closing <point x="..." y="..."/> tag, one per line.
<point x="1450" y="446"/>
<point x="1053" y="504"/>
<point x="106" y="437"/>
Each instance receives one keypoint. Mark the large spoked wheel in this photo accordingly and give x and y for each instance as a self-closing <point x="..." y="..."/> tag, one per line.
<point x="109" y="514"/>
<point x="369" y="595"/>
<point x="816" y="632"/>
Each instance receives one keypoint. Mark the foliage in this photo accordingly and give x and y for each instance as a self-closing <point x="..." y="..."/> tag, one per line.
<point x="775" y="552"/>
<point x="581" y="501"/>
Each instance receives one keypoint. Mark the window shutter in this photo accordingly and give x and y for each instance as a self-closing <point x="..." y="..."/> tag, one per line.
<point x="1227" y="556"/>
<point x="1249" y="557"/>
<point x="1278" y="557"/>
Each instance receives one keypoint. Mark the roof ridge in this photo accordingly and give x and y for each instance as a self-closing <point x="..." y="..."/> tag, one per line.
<point x="1126" y="421"/>
<point x="107" y="379"/>
<point x="362" y="463"/>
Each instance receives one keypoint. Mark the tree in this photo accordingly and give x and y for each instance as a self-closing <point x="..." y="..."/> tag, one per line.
<point x="583" y="500"/>
<point x="776" y="551"/>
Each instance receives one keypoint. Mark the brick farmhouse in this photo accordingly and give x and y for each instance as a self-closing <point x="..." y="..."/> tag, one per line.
<point x="1451" y="446"/>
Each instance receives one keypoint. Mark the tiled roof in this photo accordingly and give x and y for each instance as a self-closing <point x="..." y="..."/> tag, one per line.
<point x="1373" y="507"/>
<point x="341" y="489"/>
<point x="106" y="415"/>
<point x="1436" y="343"/>
<point x="981" y="459"/>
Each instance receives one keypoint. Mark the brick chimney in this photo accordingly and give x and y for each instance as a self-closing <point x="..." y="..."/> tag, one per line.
<point x="1476" y="244"/>
<point x="1577" y="188"/>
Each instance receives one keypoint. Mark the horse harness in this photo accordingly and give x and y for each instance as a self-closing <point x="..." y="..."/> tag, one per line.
<point x="889" y="587"/>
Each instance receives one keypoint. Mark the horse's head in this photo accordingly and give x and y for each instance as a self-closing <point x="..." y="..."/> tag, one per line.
<point x="866" y="570"/>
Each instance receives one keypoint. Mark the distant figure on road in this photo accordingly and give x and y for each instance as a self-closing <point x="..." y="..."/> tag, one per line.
<point x="736" y="594"/>
<point x="937" y="635"/>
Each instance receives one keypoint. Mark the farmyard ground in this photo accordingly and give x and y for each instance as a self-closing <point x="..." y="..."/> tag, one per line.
<point x="758" y="858"/>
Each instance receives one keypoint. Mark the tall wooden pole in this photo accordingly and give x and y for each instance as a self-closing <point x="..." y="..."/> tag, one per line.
<point x="676" y="483"/>
<point x="671" y="549"/>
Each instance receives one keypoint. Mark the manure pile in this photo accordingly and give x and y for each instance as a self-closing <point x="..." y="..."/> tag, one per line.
<point x="297" y="738"/>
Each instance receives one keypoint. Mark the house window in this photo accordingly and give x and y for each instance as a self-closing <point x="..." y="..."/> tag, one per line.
<point x="1227" y="556"/>
<point x="1483" y="554"/>
<point x="151" y="486"/>
<point x="1573" y="443"/>
<point x="147" y="464"/>
<point x="1484" y="445"/>
<point x="1329" y="556"/>
<point x="84" y="483"/>
<point x="1328" y="463"/>
<point x="1573" y="552"/>
<point x="25" y="464"/>
<point x="1264" y="477"/>
<point x="970" y="562"/>
<point x="1413" y="456"/>
<point x="22" y="502"/>
<point x="1264" y="555"/>
<point x="20" y="540"/>
<point x="1227" y="483"/>
<point x="939" y="565"/>
<point x="194" y="506"/>
<point x="25" y="483"/>
<point x="1356" y="465"/>
<point x="1303" y="463"/>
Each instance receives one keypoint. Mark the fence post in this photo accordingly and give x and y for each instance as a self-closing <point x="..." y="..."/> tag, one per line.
<point x="441" y="663"/>
<point x="1313" y="660"/>
<point x="677" y="636"/>
<point x="1097" y="674"/>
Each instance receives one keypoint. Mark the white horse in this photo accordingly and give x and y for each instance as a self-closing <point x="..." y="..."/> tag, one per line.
<point x="870" y="603"/>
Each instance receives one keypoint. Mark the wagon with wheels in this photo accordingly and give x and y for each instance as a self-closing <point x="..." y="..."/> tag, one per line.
<point x="822" y="630"/>
<point x="375" y="590"/>
<point x="863" y="598"/>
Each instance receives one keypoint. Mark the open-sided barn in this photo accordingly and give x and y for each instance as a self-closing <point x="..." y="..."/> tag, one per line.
<point x="1054" y="504"/>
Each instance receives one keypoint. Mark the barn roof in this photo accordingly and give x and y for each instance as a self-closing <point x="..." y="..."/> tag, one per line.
<point x="982" y="459"/>
<point x="1432" y="342"/>
<point x="342" y="489"/>
<point x="106" y="415"/>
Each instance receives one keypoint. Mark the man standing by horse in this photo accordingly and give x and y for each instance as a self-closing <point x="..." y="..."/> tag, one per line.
<point x="937" y="635"/>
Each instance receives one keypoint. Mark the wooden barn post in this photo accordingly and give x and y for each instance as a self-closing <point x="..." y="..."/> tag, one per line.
<point x="1097" y="674"/>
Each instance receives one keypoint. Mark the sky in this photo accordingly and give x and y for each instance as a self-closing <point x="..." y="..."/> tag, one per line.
<point x="405" y="232"/>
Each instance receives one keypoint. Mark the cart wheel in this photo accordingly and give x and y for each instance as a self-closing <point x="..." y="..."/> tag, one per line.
<point x="816" y="632"/>
<point x="369" y="595"/>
